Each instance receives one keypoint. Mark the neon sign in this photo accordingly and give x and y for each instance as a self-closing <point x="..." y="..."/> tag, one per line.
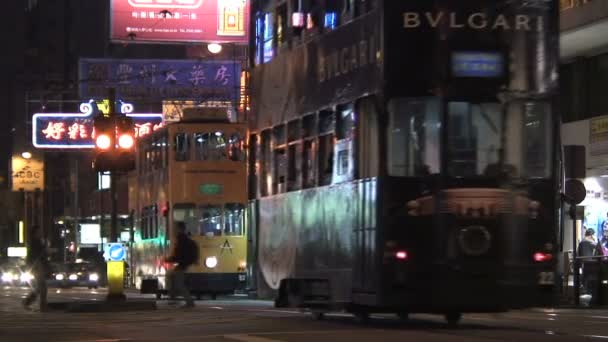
<point x="75" y="130"/>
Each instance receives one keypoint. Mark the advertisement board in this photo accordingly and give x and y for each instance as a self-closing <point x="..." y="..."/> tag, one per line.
<point x="220" y="21"/>
<point x="90" y="234"/>
<point x="75" y="130"/>
<point x="143" y="79"/>
<point x="27" y="174"/>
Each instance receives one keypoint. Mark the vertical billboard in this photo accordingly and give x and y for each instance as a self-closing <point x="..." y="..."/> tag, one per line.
<point x="221" y="21"/>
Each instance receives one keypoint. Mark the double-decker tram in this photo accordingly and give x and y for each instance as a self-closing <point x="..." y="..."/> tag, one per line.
<point x="405" y="155"/>
<point x="192" y="171"/>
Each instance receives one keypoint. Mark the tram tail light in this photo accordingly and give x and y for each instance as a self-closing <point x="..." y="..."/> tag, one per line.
<point x="542" y="257"/>
<point x="401" y="255"/>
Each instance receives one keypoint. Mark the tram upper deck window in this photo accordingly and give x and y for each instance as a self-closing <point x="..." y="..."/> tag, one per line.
<point x="475" y="133"/>
<point x="181" y="147"/>
<point x="413" y="146"/>
<point x="187" y="213"/>
<point x="234" y="219"/>
<point x="345" y="123"/>
<point x="537" y="139"/>
<point x="236" y="148"/>
<point x="210" y="146"/>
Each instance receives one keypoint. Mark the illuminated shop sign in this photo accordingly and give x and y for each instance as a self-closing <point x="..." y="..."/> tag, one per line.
<point x="142" y="79"/>
<point x="477" y="64"/>
<point x="75" y="130"/>
<point x="179" y="20"/>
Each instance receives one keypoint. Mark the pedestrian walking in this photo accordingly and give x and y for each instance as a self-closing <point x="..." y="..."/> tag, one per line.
<point x="185" y="253"/>
<point x="39" y="267"/>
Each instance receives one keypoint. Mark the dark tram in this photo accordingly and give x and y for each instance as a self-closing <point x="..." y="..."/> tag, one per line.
<point x="403" y="155"/>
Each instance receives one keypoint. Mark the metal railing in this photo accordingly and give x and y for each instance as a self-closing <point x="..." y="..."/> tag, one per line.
<point x="565" y="5"/>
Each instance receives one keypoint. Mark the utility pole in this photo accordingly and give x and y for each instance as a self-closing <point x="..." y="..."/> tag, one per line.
<point x="113" y="179"/>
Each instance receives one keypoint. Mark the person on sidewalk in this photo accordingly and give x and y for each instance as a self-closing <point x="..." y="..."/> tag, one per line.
<point x="39" y="267"/>
<point x="185" y="253"/>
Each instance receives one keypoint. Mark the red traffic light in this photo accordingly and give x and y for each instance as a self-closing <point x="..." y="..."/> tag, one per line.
<point x="103" y="141"/>
<point x="126" y="141"/>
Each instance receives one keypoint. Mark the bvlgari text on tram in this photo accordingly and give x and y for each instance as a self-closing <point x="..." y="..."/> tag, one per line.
<point x="474" y="21"/>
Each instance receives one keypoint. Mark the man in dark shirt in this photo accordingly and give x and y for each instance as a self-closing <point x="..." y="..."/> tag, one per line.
<point x="37" y="262"/>
<point x="588" y="248"/>
<point x="179" y="257"/>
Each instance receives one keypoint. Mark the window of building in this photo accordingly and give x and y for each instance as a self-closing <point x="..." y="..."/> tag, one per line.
<point x="268" y="44"/>
<point x="234" y="219"/>
<point x="103" y="180"/>
<point x="182" y="147"/>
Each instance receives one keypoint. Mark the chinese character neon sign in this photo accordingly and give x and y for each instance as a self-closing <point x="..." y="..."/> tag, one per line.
<point x="75" y="130"/>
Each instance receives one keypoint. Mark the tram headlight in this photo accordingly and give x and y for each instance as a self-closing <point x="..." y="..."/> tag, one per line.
<point x="211" y="262"/>
<point x="26" y="277"/>
<point x="7" y="277"/>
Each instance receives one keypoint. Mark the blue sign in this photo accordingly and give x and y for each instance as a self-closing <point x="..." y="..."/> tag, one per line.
<point x="144" y="79"/>
<point x="75" y="130"/>
<point x="477" y="64"/>
<point x="116" y="252"/>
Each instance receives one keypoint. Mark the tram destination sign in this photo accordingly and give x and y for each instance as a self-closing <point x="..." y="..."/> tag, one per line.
<point x="477" y="64"/>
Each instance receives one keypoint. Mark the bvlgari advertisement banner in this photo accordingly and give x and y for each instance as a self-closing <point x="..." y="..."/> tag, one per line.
<point x="168" y="21"/>
<point x="457" y="46"/>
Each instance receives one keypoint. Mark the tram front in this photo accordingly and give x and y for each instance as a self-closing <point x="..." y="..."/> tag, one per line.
<point x="472" y="187"/>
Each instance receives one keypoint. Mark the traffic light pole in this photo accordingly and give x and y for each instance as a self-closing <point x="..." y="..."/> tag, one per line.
<point x="113" y="179"/>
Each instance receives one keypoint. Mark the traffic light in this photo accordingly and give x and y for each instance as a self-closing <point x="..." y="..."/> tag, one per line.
<point x="125" y="149"/>
<point x="104" y="135"/>
<point x="114" y="144"/>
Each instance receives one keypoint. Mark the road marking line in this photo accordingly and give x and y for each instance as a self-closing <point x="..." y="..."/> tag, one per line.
<point x="596" y="336"/>
<point x="249" y="338"/>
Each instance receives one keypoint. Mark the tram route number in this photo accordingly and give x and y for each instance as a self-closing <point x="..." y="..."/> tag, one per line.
<point x="546" y="278"/>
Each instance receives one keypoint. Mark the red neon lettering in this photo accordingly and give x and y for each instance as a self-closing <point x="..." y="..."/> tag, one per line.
<point x="54" y="130"/>
<point x="143" y="129"/>
<point x="77" y="131"/>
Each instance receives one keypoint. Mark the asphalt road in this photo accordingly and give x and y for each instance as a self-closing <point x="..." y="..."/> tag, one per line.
<point x="239" y="319"/>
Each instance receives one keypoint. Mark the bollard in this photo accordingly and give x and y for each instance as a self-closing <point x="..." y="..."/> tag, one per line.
<point x="116" y="272"/>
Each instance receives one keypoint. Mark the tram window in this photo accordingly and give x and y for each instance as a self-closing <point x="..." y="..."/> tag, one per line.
<point x="280" y="171"/>
<point x="537" y="139"/>
<point x="281" y="15"/>
<point x="345" y="124"/>
<point x="308" y="167"/>
<point x="234" y="219"/>
<point x="278" y="135"/>
<point x="413" y="147"/>
<point x="265" y="164"/>
<point x="210" y="146"/>
<point x="187" y="213"/>
<point x="327" y="122"/>
<point x="474" y="138"/>
<point x="293" y="167"/>
<point x="236" y="147"/>
<point x="182" y="147"/>
<point x="309" y="126"/>
<point x="210" y="222"/>
<point x="293" y="131"/>
<point x="326" y="158"/>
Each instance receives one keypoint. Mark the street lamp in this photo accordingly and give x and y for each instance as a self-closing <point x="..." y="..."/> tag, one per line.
<point x="214" y="48"/>
<point x="26" y="155"/>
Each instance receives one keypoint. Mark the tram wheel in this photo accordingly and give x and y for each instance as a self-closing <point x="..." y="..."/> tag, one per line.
<point x="318" y="315"/>
<point x="453" y="318"/>
<point x="362" y="316"/>
<point x="403" y="316"/>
